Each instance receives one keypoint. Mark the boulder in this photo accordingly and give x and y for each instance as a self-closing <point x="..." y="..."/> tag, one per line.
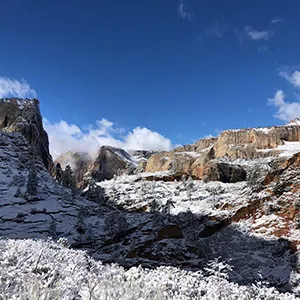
<point x="224" y="172"/>
<point x="169" y="232"/>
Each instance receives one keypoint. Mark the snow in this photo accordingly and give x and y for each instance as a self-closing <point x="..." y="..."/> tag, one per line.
<point x="295" y="122"/>
<point x="200" y="198"/>
<point x="190" y="153"/>
<point x="265" y="130"/>
<point x="126" y="157"/>
<point x="46" y="270"/>
<point x="289" y="149"/>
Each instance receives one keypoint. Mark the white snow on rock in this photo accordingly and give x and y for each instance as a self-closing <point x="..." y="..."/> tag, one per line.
<point x="295" y="122"/>
<point x="132" y="192"/>
<point x="289" y="149"/>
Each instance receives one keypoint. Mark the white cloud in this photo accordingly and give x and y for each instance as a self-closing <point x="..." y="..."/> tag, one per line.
<point x="143" y="138"/>
<point x="286" y="111"/>
<point x="182" y="11"/>
<point x="276" y="21"/>
<point x="257" y="35"/>
<point x="65" y="137"/>
<point x="10" y="87"/>
<point x="292" y="77"/>
<point x="216" y="30"/>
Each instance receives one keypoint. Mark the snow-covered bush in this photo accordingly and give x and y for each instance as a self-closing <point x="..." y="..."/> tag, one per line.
<point x="44" y="270"/>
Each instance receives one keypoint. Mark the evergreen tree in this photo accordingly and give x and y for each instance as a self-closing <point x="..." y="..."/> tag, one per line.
<point x="155" y="206"/>
<point x="95" y="193"/>
<point x="58" y="173"/>
<point x="31" y="188"/>
<point x="116" y="223"/>
<point x="68" y="179"/>
<point x="168" y="205"/>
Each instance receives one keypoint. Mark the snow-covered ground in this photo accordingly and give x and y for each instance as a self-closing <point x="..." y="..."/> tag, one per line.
<point x="134" y="192"/>
<point x="289" y="149"/>
<point x="40" y="270"/>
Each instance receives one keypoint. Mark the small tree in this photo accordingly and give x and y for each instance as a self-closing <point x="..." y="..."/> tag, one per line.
<point x="58" y="173"/>
<point x="95" y="193"/>
<point x="18" y="192"/>
<point x="167" y="207"/>
<point x="68" y="178"/>
<point x="116" y="223"/>
<point x="189" y="186"/>
<point x="192" y="231"/>
<point x="52" y="229"/>
<point x="155" y="206"/>
<point x="80" y="224"/>
<point x="254" y="178"/>
<point x="32" y="181"/>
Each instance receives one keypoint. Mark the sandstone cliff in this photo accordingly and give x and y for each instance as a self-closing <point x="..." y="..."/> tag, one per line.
<point x="23" y="116"/>
<point x="109" y="161"/>
<point x="204" y="159"/>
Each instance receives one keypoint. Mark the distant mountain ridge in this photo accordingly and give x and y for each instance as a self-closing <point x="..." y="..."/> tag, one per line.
<point x="211" y="159"/>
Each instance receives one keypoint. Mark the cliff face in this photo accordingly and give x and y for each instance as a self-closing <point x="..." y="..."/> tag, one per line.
<point x="244" y="143"/>
<point x="202" y="159"/>
<point x="78" y="161"/>
<point x="109" y="161"/>
<point x="23" y="116"/>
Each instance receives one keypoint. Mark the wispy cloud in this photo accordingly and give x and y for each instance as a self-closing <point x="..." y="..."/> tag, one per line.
<point x="286" y="111"/>
<point x="65" y="137"/>
<point x="291" y="76"/>
<point x="10" y="87"/>
<point x="276" y="21"/>
<point x="263" y="49"/>
<point x="263" y="34"/>
<point x="257" y="35"/>
<point x="246" y="33"/>
<point x="183" y="12"/>
<point x="216" y="30"/>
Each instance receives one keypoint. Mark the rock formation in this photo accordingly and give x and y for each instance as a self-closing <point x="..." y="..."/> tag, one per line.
<point x="211" y="158"/>
<point x="78" y="161"/>
<point x="109" y="161"/>
<point x="23" y="116"/>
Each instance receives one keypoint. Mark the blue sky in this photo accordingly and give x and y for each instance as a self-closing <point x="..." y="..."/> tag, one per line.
<point x="183" y="69"/>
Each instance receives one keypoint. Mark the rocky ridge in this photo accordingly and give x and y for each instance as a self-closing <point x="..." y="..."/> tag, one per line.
<point x="215" y="158"/>
<point x="107" y="163"/>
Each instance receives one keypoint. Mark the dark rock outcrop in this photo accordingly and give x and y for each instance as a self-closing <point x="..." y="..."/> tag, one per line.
<point x="23" y="116"/>
<point x="224" y="172"/>
<point x="111" y="161"/>
<point x="169" y="232"/>
<point x="78" y="161"/>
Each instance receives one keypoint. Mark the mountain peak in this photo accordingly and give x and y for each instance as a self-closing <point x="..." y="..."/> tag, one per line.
<point x="23" y="116"/>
